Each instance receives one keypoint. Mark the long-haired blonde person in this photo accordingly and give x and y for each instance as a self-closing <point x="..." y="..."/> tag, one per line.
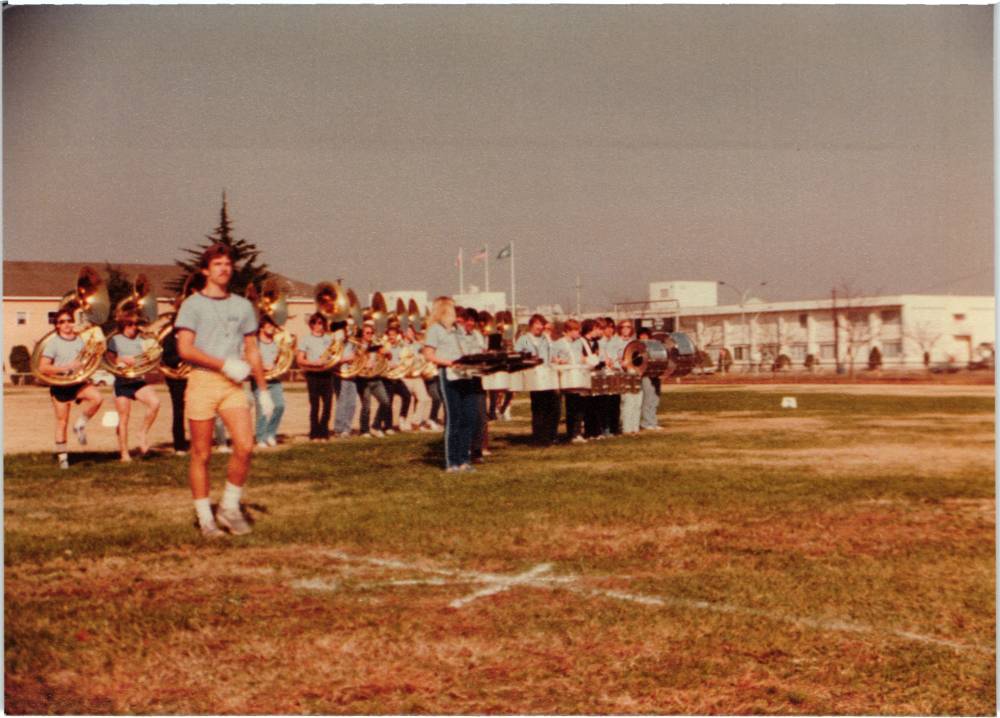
<point x="442" y="346"/>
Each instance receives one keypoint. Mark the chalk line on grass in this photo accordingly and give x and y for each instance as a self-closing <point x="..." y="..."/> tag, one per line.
<point x="539" y="577"/>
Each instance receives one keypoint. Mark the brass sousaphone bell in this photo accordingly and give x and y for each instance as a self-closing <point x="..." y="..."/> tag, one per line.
<point x="273" y="303"/>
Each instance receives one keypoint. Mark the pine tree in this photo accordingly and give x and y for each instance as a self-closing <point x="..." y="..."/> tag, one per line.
<point x="246" y="270"/>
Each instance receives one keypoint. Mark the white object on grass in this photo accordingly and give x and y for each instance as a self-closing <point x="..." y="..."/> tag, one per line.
<point x="110" y="420"/>
<point x="789" y="402"/>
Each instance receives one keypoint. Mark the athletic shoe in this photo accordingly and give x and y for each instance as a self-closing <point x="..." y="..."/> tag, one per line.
<point x="487" y="452"/>
<point x="63" y="463"/>
<point x="261" y="444"/>
<point x="376" y="433"/>
<point x="224" y="450"/>
<point x="434" y="425"/>
<point x="344" y="435"/>
<point x="180" y="452"/>
<point x="390" y="432"/>
<point x="467" y="468"/>
<point x="211" y="531"/>
<point x="506" y="415"/>
<point x="81" y="433"/>
<point x="578" y="440"/>
<point x="232" y="520"/>
<point x="453" y="469"/>
<point x="272" y="441"/>
<point x="404" y="426"/>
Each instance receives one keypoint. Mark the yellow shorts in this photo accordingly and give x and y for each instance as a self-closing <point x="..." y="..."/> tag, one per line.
<point x="209" y="392"/>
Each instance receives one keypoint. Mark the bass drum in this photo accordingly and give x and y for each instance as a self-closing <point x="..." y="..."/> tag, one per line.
<point x="574" y="377"/>
<point x="496" y="381"/>
<point x="515" y="381"/>
<point x="541" y="378"/>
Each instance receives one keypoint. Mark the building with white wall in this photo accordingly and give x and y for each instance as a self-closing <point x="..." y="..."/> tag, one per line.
<point x="951" y="330"/>
<point x="491" y="302"/>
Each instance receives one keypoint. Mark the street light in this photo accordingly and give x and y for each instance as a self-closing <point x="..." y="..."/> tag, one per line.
<point x="743" y="315"/>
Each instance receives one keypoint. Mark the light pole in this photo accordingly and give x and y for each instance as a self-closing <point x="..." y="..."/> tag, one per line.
<point x="744" y="293"/>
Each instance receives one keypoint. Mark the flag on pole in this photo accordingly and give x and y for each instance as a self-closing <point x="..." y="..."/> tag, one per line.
<point x="458" y="259"/>
<point x="504" y="253"/>
<point x="479" y="256"/>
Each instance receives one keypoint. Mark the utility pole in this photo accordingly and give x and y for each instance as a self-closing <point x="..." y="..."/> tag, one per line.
<point x="836" y="334"/>
<point x="578" y="295"/>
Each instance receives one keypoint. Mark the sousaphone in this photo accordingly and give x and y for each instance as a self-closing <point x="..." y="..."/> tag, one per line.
<point x="141" y="306"/>
<point x="90" y="305"/>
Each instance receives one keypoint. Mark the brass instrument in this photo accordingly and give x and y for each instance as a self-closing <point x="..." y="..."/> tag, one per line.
<point x="164" y="325"/>
<point x="90" y="305"/>
<point x="407" y="359"/>
<point x="140" y="304"/>
<point x="273" y="303"/>
<point x="335" y="305"/>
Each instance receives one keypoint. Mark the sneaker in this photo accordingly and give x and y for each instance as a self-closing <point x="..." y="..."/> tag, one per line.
<point x="367" y="435"/>
<point x="81" y="433"/>
<point x="434" y="425"/>
<point x="212" y="531"/>
<point x="224" y="450"/>
<point x="578" y="440"/>
<point x="376" y="433"/>
<point x="487" y="452"/>
<point x="404" y="426"/>
<point x="232" y="520"/>
<point x="390" y="432"/>
<point x="63" y="463"/>
<point x="506" y="415"/>
<point x="262" y="445"/>
<point x="180" y="452"/>
<point x="453" y="469"/>
<point x="344" y="435"/>
<point x="467" y="468"/>
<point x="272" y="441"/>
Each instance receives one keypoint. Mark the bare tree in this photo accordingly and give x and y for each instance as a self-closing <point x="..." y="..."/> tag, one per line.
<point x="855" y="330"/>
<point x="925" y="335"/>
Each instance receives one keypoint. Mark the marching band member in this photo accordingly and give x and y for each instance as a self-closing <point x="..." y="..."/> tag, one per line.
<point x="123" y="348"/>
<point x="420" y="403"/>
<point x="319" y="382"/>
<point x="369" y="387"/>
<point x="498" y="399"/>
<point x="612" y="402"/>
<point x="573" y="349"/>
<point x="650" y="395"/>
<point x="176" y="388"/>
<point x="545" y="407"/>
<point x="213" y="327"/>
<point x="266" y="430"/>
<point x="395" y="387"/>
<point x="60" y="357"/>
<point x="591" y="332"/>
<point x="473" y="342"/>
<point x="631" y="402"/>
<point x="442" y="346"/>
<point x="347" y="388"/>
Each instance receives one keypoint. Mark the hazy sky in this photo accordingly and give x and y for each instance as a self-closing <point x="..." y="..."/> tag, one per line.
<point x="800" y="145"/>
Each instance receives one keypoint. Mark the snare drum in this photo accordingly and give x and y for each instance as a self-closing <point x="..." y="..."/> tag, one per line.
<point x="574" y="377"/>
<point x="496" y="381"/>
<point x="541" y="378"/>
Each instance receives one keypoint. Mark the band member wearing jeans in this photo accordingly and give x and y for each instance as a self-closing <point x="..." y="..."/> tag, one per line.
<point x="631" y="402"/>
<point x="61" y="356"/>
<point x="177" y="387"/>
<point x="123" y="348"/>
<point x="266" y="429"/>
<point x="213" y="328"/>
<point x="545" y="408"/>
<point x="442" y="346"/>
<point x="650" y="396"/>
<point x="319" y="381"/>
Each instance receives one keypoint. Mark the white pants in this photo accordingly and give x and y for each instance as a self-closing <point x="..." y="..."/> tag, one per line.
<point x="630" y="412"/>
<point x="420" y="402"/>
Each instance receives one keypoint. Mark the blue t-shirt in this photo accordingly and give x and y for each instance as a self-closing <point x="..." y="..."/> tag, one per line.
<point x="536" y="346"/>
<point x="61" y="351"/>
<point x="219" y="325"/>
<point x="446" y="343"/>
<point x="314" y="346"/>
<point x="268" y="353"/>
<point x="125" y="347"/>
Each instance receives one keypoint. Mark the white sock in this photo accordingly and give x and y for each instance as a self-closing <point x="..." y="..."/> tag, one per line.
<point x="203" y="507"/>
<point x="81" y="422"/>
<point x="231" y="497"/>
<point x="61" y="452"/>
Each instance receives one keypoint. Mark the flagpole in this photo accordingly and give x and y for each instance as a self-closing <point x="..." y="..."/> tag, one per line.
<point x="461" y="273"/>
<point x="486" y="265"/>
<point x="513" y="295"/>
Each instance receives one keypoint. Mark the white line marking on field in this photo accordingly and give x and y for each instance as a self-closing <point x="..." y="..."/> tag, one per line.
<point x="536" y="578"/>
<point x="503" y="583"/>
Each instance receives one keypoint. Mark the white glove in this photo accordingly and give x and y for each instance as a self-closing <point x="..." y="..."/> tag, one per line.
<point x="236" y="369"/>
<point x="266" y="403"/>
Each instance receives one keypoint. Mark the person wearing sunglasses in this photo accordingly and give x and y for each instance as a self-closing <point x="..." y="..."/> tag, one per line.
<point x="61" y="356"/>
<point x="123" y="348"/>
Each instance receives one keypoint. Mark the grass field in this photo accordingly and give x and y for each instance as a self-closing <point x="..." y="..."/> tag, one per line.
<point x="838" y="558"/>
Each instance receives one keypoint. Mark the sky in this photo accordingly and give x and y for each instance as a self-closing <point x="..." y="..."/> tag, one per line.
<point x="810" y="147"/>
